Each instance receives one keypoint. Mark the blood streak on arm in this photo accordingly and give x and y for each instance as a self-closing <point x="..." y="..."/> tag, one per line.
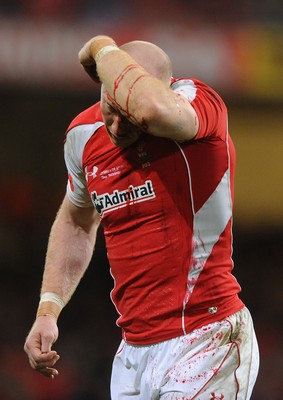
<point x="122" y="76"/>
<point x="130" y="91"/>
<point x="118" y="82"/>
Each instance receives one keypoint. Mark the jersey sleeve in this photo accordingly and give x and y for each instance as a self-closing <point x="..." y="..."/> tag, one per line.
<point x="73" y="150"/>
<point x="210" y="108"/>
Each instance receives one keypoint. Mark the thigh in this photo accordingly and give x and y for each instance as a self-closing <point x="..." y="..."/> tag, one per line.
<point x="128" y="372"/>
<point x="122" y="385"/>
<point x="224" y="365"/>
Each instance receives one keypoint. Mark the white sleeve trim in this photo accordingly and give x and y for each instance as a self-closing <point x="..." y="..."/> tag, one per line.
<point x="185" y="87"/>
<point x="74" y="146"/>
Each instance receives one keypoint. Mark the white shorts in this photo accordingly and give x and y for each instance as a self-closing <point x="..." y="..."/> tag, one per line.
<point x="219" y="361"/>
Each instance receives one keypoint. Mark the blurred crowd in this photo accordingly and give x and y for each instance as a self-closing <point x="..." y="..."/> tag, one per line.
<point x="234" y="11"/>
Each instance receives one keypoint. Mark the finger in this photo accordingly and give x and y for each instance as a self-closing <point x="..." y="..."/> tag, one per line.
<point x="46" y="363"/>
<point x="85" y="56"/>
<point x="45" y="368"/>
<point x="43" y="360"/>
<point x="48" y="372"/>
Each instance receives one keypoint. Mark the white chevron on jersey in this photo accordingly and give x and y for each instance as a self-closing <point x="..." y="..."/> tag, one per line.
<point x="209" y="222"/>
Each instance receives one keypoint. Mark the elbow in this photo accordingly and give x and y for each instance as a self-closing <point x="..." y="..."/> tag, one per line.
<point x="166" y="119"/>
<point x="149" y="114"/>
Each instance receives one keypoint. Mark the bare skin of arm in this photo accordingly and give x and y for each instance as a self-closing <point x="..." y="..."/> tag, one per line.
<point x="69" y="252"/>
<point x="145" y="100"/>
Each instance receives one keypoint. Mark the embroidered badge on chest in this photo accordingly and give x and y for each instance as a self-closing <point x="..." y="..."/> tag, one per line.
<point x="143" y="156"/>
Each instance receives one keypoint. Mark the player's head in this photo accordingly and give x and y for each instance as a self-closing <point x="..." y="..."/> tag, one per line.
<point x="155" y="61"/>
<point x="151" y="57"/>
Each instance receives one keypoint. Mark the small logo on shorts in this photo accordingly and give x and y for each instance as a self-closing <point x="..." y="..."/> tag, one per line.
<point x="215" y="396"/>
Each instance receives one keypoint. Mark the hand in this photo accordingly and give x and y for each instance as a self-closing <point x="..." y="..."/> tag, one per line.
<point x="42" y="336"/>
<point x="88" y="52"/>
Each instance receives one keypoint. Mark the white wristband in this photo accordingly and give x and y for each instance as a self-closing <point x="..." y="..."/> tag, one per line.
<point x="104" y="50"/>
<point x="50" y="296"/>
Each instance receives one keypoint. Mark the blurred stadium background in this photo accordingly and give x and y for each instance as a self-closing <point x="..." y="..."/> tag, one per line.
<point x="235" y="46"/>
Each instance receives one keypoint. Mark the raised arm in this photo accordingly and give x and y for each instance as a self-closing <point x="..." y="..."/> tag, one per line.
<point x="139" y="90"/>
<point x="69" y="252"/>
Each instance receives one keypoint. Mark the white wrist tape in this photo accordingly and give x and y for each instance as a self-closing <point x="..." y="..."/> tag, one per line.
<point x="49" y="296"/>
<point x="104" y="50"/>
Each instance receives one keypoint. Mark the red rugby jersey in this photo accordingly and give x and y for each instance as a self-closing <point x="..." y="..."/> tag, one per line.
<point x="166" y="210"/>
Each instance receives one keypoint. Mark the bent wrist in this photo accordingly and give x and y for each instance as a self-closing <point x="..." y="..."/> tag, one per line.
<point x="50" y="304"/>
<point x="102" y="45"/>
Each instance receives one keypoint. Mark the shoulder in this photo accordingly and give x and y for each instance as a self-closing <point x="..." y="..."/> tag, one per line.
<point x="208" y="104"/>
<point x="81" y="130"/>
<point x="89" y="116"/>
<point x="194" y="88"/>
<point x="84" y="125"/>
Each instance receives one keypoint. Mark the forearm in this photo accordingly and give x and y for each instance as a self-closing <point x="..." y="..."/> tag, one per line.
<point x="145" y="99"/>
<point x="68" y="255"/>
<point x="69" y="252"/>
<point x="128" y="84"/>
